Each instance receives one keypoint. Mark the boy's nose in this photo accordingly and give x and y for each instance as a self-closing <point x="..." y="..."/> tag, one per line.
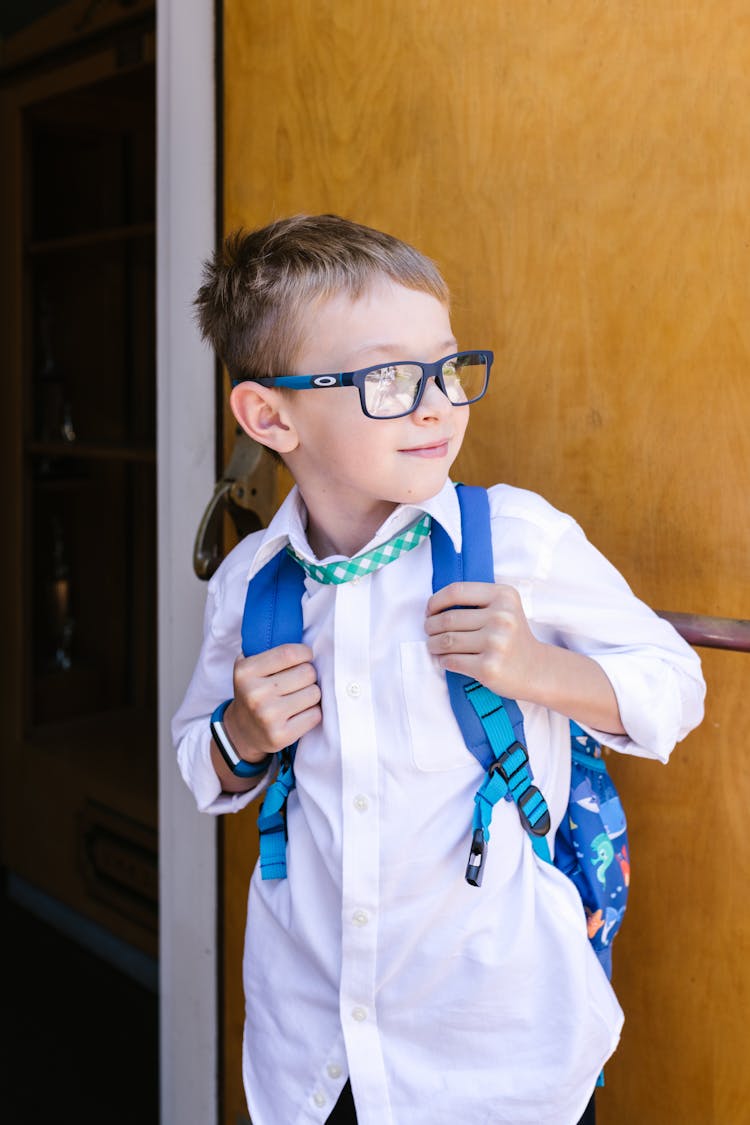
<point x="434" y="403"/>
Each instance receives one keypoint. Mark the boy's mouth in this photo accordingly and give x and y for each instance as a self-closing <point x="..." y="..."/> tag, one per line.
<point x="431" y="449"/>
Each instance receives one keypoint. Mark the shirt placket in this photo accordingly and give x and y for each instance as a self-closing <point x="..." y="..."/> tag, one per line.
<point x="360" y="850"/>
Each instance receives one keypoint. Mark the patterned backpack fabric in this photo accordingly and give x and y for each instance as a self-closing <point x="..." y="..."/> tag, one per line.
<point x="591" y="845"/>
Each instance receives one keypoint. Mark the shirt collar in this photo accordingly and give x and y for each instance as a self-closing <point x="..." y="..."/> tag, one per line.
<point x="289" y="525"/>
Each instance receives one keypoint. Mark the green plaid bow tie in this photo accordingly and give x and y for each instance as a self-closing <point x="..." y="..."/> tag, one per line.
<point x="337" y="572"/>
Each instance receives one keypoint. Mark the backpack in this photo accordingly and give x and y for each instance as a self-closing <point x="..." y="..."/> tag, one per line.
<point x="591" y="844"/>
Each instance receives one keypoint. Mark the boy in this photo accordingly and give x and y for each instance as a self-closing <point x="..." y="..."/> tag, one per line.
<point x="374" y="968"/>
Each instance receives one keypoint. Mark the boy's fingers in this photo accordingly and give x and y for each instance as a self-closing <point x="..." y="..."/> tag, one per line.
<point x="468" y="594"/>
<point x="284" y="656"/>
<point x="465" y="665"/>
<point x="461" y="594"/>
<point x="471" y="642"/>
<point x="460" y="620"/>
<point x="293" y="680"/>
<point x="303" y="722"/>
<point x="275" y="660"/>
<point x="277" y="697"/>
<point x="281" y="720"/>
<point x="305" y="699"/>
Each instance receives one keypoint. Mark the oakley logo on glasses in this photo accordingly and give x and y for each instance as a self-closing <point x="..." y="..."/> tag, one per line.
<point x="325" y="380"/>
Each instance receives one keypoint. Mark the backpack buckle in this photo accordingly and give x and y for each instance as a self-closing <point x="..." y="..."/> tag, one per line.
<point x="532" y="807"/>
<point x="533" y="811"/>
<point x="475" y="866"/>
<point x="510" y="763"/>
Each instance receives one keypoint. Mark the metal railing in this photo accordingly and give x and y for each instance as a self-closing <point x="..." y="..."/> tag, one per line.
<point x="731" y="633"/>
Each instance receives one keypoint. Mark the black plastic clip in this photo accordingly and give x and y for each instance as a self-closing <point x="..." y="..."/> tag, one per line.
<point x="475" y="866"/>
<point x="542" y="823"/>
<point x="528" y="798"/>
<point x="500" y="765"/>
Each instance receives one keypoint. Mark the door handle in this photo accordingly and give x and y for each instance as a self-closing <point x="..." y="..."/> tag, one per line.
<point x="246" y="492"/>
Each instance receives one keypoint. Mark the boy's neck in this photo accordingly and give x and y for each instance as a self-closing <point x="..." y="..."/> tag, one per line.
<point x="344" y="533"/>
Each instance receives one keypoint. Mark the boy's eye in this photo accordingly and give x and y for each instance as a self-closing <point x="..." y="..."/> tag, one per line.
<point x="388" y="376"/>
<point x="384" y="376"/>
<point x="452" y="375"/>
<point x="391" y="390"/>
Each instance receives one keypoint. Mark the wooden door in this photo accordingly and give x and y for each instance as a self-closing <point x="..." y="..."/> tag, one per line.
<point x="579" y="171"/>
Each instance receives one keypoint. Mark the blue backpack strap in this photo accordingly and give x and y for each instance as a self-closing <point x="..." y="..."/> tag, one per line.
<point x="273" y="606"/>
<point x="468" y="565"/>
<point x="492" y="726"/>
<point x="273" y="616"/>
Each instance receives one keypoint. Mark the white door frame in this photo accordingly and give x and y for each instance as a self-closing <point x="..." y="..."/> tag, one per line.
<point x="186" y="209"/>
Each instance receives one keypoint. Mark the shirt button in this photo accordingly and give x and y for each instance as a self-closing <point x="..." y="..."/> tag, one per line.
<point x="334" y="1070"/>
<point x="319" y="1098"/>
<point x="361" y="803"/>
<point x="353" y="690"/>
<point x="360" y="918"/>
<point x="359" y="1014"/>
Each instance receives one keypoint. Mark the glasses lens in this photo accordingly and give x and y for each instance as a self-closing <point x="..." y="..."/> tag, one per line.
<point x="390" y="391"/>
<point x="465" y="377"/>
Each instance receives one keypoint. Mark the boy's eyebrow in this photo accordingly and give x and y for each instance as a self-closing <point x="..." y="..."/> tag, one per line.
<point x="397" y="351"/>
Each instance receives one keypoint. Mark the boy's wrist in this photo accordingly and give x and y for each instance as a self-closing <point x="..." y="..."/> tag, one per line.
<point x="243" y="764"/>
<point x="574" y="685"/>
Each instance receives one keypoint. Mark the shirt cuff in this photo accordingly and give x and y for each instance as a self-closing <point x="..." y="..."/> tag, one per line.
<point x="196" y="767"/>
<point x="657" y="707"/>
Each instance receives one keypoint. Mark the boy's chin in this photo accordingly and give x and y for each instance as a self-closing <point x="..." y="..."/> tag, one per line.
<point x="419" y="492"/>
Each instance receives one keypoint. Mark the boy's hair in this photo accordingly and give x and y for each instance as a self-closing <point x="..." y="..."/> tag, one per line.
<point x="258" y="285"/>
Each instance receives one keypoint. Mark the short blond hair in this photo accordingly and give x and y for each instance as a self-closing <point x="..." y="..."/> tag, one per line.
<point x="258" y="285"/>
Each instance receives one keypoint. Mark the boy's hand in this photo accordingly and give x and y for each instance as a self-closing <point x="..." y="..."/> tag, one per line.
<point x="276" y="700"/>
<point x="480" y="630"/>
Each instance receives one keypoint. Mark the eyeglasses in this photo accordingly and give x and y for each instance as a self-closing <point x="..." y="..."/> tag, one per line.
<point x="396" y="389"/>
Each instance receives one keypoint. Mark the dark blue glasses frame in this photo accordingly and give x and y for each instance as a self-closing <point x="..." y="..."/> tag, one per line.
<point x="358" y="379"/>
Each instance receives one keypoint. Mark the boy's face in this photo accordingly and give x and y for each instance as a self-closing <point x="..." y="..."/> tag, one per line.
<point x="344" y="461"/>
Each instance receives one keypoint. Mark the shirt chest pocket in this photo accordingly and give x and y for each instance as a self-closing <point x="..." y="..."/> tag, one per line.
<point x="435" y="736"/>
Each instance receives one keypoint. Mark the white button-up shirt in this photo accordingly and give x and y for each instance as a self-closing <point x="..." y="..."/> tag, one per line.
<point x="375" y="959"/>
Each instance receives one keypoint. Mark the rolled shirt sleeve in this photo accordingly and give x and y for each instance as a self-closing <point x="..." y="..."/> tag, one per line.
<point x="212" y="683"/>
<point x="575" y="598"/>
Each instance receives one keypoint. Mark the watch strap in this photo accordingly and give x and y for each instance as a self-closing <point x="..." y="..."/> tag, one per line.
<point x="238" y="765"/>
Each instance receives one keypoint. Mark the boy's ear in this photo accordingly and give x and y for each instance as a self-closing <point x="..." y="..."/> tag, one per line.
<point x="262" y="413"/>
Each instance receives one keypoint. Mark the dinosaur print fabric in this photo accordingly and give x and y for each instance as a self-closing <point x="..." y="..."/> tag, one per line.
<point x="591" y="846"/>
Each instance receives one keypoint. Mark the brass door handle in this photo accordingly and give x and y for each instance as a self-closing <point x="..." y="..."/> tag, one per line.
<point x="246" y="491"/>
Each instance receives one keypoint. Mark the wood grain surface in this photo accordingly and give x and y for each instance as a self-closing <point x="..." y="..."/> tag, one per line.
<point x="580" y="173"/>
